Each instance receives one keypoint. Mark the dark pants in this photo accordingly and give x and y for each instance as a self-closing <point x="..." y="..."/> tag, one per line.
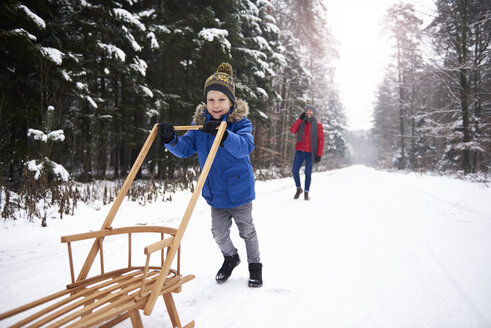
<point x="300" y="157"/>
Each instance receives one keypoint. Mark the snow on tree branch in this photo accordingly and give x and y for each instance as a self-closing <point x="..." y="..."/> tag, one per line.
<point x="91" y="101"/>
<point x="139" y="66"/>
<point x="147" y="91"/>
<point x="256" y="54"/>
<point x="262" y="92"/>
<point x="132" y="40"/>
<point x="263" y="44"/>
<point x="35" y="18"/>
<point x="113" y="50"/>
<point x="161" y="28"/>
<point x="209" y="34"/>
<point x="471" y="145"/>
<point x="153" y="41"/>
<point x="66" y="76"/>
<point x="82" y="86"/>
<point x="52" y="54"/>
<point x="37" y="135"/>
<point x="126" y="16"/>
<point x="57" y="135"/>
<point x="23" y="33"/>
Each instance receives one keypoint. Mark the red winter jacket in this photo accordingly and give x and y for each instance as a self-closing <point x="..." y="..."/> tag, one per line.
<point x="304" y="145"/>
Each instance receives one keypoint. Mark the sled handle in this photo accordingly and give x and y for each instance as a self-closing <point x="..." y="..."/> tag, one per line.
<point x="124" y="190"/>
<point x="117" y="202"/>
<point x="189" y="127"/>
<point x="184" y="221"/>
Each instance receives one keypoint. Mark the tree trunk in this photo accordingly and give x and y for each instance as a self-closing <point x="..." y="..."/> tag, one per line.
<point x="464" y="88"/>
<point x="402" y="163"/>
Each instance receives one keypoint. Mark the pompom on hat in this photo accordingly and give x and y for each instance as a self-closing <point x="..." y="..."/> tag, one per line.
<point x="222" y="81"/>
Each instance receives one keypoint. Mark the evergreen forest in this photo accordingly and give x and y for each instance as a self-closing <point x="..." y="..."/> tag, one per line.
<point x="82" y="83"/>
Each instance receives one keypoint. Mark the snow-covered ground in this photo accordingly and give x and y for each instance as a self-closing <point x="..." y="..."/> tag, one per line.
<point x="371" y="249"/>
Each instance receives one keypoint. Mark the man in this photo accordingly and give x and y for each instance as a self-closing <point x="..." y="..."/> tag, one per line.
<point x="309" y="147"/>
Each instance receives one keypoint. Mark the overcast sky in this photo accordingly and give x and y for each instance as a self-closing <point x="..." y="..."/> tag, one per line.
<point x="364" y="52"/>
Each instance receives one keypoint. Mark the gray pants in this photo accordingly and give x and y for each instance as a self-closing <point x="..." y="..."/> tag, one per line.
<point x="221" y="221"/>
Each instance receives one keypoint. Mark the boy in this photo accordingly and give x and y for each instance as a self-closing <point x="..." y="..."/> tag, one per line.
<point x="229" y="187"/>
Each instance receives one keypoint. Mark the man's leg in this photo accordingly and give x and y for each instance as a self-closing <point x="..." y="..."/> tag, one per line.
<point x="308" y="171"/>
<point x="297" y="163"/>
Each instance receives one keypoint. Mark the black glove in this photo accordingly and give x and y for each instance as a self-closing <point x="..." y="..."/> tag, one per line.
<point x="166" y="131"/>
<point x="210" y="127"/>
<point x="302" y="116"/>
<point x="317" y="159"/>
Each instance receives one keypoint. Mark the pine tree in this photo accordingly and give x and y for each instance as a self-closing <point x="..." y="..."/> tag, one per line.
<point x="256" y="58"/>
<point x="403" y="26"/>
<point x="291" y="84"/>
<point x="385" y="119"/>
<point x="31" y="66"/>
<point x="462" y="29"/>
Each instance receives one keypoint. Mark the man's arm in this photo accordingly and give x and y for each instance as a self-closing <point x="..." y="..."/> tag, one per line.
<point x="295" y="126"/>
<point x="320" y="139"/>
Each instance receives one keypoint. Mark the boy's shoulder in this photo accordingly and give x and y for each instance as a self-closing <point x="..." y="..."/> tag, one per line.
<point x="241" y="111"/>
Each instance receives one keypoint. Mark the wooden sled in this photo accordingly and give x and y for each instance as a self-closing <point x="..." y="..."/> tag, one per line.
<point x="108" y="298"/>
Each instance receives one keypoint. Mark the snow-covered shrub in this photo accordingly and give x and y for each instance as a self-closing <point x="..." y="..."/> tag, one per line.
<point x="43" y="143"/>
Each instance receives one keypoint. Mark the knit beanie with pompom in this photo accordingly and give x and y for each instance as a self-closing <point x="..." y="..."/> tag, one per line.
<point x="222" y="81"/>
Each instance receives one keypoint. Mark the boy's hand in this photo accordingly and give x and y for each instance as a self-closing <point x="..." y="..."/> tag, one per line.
<point x="302" y="116"/>
<point x="166" y="131"/>
<point x="317" y="159"/>
<point x="210" y="127"/>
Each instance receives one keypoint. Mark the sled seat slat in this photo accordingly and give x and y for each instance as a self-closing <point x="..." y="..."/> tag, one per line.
<point x="108" y="298"/>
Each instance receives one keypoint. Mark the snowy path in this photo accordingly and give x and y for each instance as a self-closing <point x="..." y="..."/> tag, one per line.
<point x="371" y="249"/>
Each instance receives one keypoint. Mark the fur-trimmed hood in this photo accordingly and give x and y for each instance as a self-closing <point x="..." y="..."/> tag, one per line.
<point x="237" y="114"/>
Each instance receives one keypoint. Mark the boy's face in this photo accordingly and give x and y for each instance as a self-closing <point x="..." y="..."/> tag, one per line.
<point x="309" y="113"/>
<point x="217" y="103"/>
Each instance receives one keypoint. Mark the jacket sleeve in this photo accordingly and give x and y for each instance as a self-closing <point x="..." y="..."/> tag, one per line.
<point x="320" y="139"/>
<point x="240" y="142"/>
<point x="295" y="126"/>
<point x="185" y="146"/>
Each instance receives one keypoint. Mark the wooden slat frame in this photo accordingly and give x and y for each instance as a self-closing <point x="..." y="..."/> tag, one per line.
<point x="99" y="235"/>
<point x="118" y="231"/>
<point x="131" y="295"/>
<point x="119" y="199"/>
<point x="127" y="183"/>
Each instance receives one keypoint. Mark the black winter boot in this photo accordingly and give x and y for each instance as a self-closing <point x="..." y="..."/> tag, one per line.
<point x="297" y="194"/>
<point x="255" y="275"/>
<point x="228" y="266"/>
<point x="306" y="195"/>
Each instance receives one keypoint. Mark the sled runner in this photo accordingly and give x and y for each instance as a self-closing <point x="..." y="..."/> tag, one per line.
<point x="108" y="298"/>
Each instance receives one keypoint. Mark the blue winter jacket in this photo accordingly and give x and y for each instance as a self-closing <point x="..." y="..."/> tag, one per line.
<point x="230" y="182"/>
